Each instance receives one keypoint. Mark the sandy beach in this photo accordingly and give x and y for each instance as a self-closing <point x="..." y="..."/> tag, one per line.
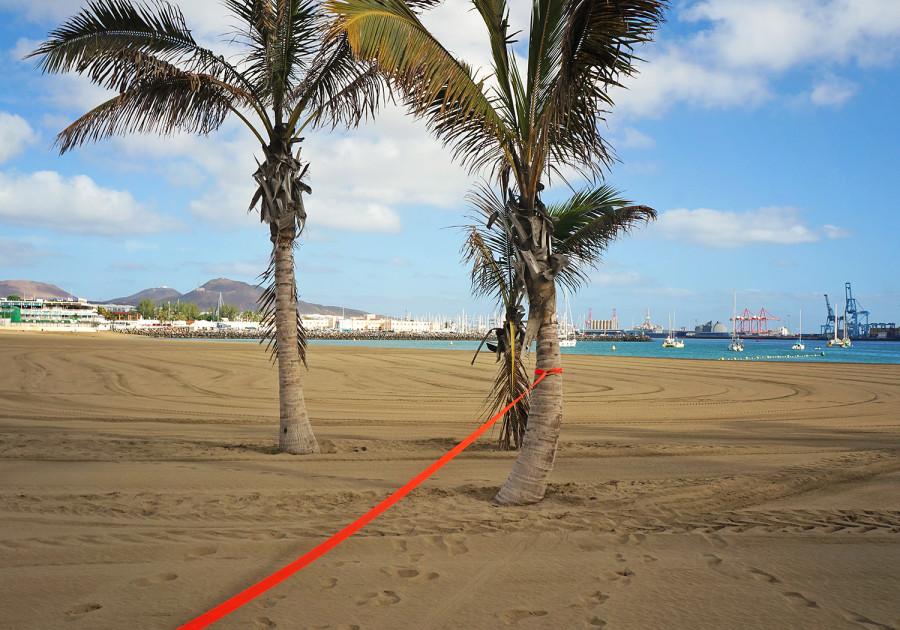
<point x="140" y="489"/>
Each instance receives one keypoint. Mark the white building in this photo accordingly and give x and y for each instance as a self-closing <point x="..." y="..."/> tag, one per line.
<point x="319" y="322"/>
<point x="55" y="313"/>
<point x="354" y="324"/>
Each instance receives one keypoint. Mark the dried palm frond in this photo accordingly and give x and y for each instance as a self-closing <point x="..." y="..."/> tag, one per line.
<point x="266" y="304"/>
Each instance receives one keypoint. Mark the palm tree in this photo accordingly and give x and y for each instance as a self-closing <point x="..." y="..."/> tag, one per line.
<point x="524" y="126"/>
<point x="286" y="78"/>
<point x="583" y="227"/>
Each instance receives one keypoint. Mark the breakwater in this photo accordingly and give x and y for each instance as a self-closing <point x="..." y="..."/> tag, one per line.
<point x="186" y="332"/>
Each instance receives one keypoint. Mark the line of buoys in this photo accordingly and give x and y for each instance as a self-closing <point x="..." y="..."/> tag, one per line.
<point x="774" y="356"/>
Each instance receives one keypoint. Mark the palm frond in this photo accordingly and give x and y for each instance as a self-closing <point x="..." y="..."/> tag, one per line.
<point x="109" y="26"/>
<point x="96" y="40"/>
<point x="586" y="224"/>
<point x="597" y="49"/>
<point x="162" y="103"/>
<point x="266" y="303"/>
<point x="489" y="249"/>
<point x="510" y="382"/>
<point x="436" y="86"/>
<point x="339" y="88"/>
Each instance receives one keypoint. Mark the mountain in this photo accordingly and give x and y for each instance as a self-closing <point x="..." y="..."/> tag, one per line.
<point x="157" y="295"/>
<point x="28" y="289"/>
<point x="240" y="294"/>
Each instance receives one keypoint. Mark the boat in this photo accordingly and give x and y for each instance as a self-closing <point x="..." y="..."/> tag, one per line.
<point x="670" y="341"/>
<point x="840" y="343"/>
<point x="736" y="344"/>
<point x="567" y="330"/>
<point x="799" y="345"/>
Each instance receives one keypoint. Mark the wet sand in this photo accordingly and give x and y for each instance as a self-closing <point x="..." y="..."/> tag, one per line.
<point x="140" y="490"/>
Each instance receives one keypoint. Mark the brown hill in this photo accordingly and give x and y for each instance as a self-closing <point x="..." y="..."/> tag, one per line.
<point x="29" y="290"/>
<point x="240" y="294"/>
<point x="157" y="295"/>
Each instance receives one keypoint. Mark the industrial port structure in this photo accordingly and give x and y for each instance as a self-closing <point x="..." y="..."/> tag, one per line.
<point x="854" y="319"/>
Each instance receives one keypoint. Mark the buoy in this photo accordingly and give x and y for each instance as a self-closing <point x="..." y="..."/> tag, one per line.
<point x="614" y="347"/>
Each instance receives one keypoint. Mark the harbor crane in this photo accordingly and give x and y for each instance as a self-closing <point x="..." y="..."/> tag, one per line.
<point x="856" y="319"/>
<point x="828" y="326"/>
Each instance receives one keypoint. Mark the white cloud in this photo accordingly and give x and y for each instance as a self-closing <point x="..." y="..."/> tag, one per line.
<point x="832" y="91"/>
<point x="779" y="34"/>
<point x="76" y="205"/>
<point x="674" y="76"/>
<point x="360" y="179"/>
<point x="634" y="139"/>
<point x="15" y="135"/>
<point x="737" y="48"/>
<point x="834" y="232"/>
<point x="718" y="229"/>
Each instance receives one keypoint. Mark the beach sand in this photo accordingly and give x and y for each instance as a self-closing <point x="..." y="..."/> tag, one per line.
<point x="140" y="490"/>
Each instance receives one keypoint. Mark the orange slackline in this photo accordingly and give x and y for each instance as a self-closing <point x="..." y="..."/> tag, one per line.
<point x="279" y="576"/>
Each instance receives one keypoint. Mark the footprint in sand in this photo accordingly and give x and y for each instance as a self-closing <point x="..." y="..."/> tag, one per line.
<point x="800" y="599"/>
<point x="262" y="623"/>
<point x="631" y="539"/>
<point x="381" y="598"/>
<point x="712" y="560"/>
<point x="271" y="601"/>
<point x="595" y="622"/>
<point x="399" y="546"/>
<point x="620" y="577"/>
<point x="864" y="621"/>
<point x="159" y="578"/>
<point x="455" y="545"/>
<point x="591" y="599"/>
<point x="200" y="552"/>
<point x="326" y="583"/>
<point x="410" y="574"/>
<point x="77" y="612"/>
<point x="762" y="576"/>
<point x="509" y="617"/>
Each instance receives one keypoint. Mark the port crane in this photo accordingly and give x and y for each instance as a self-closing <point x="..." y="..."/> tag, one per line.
<point x="854" y="319"/>
<point x="828" y="326"/>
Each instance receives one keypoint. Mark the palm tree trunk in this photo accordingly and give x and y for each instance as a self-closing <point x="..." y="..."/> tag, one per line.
<point x="527" y="482"/>
<point x="295" y="433"/>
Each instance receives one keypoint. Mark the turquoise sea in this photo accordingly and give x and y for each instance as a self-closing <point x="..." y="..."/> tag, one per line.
<point x="710" y="349"/>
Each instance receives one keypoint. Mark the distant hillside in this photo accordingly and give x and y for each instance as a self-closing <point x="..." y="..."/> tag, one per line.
<point x="28" y="289"/>
<point x="157" y="295"/>
<point x="241" y="294"/>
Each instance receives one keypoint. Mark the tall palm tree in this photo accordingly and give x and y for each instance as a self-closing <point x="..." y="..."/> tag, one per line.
<point x="286" y="77"/>
<point x="523" y="125"/>
<point x="583" y="227"/>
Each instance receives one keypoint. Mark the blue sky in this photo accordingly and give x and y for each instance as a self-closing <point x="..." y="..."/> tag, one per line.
<point x="764" y="133"/>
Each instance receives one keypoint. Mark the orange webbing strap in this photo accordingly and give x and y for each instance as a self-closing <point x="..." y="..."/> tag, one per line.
<point x="279" y="576"/>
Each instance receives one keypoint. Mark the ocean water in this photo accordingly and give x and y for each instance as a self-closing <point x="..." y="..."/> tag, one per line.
<point x="708" y="349"/>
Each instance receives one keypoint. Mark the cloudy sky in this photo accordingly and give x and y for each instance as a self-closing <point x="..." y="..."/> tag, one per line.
<point x="764" y="133"/>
